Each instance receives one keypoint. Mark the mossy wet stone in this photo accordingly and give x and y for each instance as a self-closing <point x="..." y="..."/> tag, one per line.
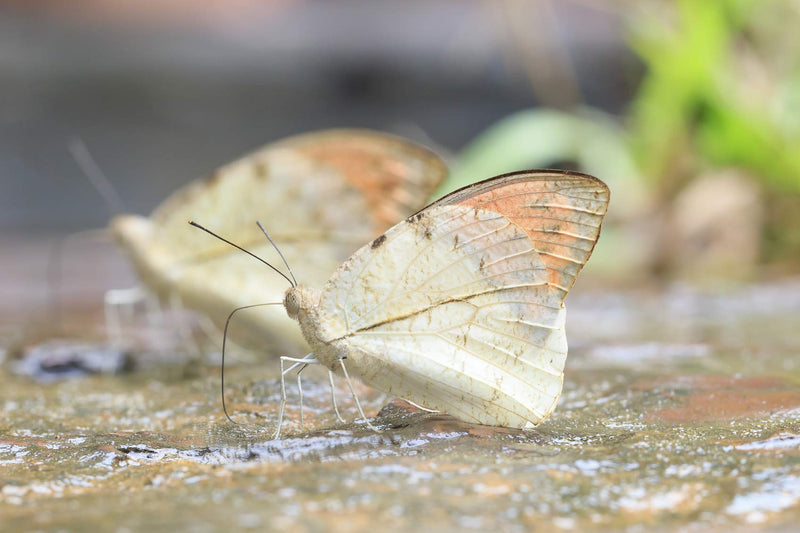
<point x="700" y="432"/>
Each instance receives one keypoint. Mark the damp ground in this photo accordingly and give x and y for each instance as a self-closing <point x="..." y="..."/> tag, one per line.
<point x="681" y="410"/>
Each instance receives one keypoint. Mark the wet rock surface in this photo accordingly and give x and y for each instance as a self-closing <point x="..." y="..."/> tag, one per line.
<point x="681" y="410"/>
<point x="66" y="359"/>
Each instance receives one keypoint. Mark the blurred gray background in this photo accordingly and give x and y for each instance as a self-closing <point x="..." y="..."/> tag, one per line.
<point x="163" y="93"/>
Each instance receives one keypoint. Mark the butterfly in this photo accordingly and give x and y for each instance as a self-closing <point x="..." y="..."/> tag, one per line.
<point x="321" y="194"/>
<point x="460" y="307"/>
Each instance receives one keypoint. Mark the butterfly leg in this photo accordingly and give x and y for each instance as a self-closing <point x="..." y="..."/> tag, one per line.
<point x="300" y="392"/>
<point x="111" y="314"/>
<point x="418" y="406"/>
<point x="184" y="329"/>
<point x="305" y="361"/>
<point x="114" y="302"/>
<point x="155" y="313"/>
<point x="333" y="396"/>
<point x="355" y="397"/>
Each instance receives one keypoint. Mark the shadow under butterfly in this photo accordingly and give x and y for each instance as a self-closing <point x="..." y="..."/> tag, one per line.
<point x="320" y="194"/>
<point x="460" y="307"/>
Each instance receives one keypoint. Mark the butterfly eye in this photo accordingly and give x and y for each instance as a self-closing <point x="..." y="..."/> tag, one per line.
<point x="292" y="303"/>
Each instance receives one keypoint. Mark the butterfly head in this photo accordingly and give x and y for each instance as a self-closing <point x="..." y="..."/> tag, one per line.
<point x="299" y="300"/>
<point x="303" y="304"/>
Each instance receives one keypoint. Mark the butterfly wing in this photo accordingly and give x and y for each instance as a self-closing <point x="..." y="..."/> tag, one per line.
<point x="340" y="184"/>
<point x="460" y="307"/>
<point x="320" y="195"/>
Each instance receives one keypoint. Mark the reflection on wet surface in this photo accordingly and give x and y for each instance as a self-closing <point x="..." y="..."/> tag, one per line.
<point x="680" y="409"/>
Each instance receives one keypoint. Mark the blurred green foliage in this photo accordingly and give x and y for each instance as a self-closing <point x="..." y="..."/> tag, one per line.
<point x="699" y="94"/>
<point x="721" y="90"/>
<point x="540" y="137"/>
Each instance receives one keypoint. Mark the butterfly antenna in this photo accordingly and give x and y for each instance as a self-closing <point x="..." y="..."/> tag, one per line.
<point x="279" y="252"/>
<point x="85" y="161"/>
<point x="224" y="339"/>
<point x="251" y="254"/>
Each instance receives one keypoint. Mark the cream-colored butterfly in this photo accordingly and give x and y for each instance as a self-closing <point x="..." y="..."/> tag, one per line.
<point x="460" y="308"/>
<point x="321" y="195"/>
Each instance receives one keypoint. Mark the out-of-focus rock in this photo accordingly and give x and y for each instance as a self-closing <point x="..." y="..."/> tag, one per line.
<point x="63" y="359"/>
<point x="713" y="228"/>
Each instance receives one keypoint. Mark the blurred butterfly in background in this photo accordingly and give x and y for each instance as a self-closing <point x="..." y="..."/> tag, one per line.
<point x="460" y="307"/>
<point x="321" y="195"/>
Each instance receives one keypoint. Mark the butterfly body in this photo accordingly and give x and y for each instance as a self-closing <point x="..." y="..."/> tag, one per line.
<point x="460" y="307"/>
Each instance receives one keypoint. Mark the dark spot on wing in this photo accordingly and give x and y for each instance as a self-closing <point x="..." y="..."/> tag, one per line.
<point x="260" y="169"/>
<point x="415" y="218"/>
<point x="214" y="178"/>
<point x="425" y="222"/>
<point x="378" y="241"/>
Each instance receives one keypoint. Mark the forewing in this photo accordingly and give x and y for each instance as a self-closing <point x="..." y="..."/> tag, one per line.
<point x="343" y="186"/>
<point x="560" y="211"/>
<point x="460" y="307"/>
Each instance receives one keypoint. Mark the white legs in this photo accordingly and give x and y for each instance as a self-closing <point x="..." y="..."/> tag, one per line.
<point x="115" y="303"/>
<point x="421" y="408"/>
<point x="300" y="364"/>
<point x="355" y="397"/>
<point x="184" y="329"/>
<point x="120" y="313"/>
<point x="333" y="396"/>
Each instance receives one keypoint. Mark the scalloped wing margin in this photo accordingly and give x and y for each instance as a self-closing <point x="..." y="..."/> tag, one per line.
<point x="561" y="212"/>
